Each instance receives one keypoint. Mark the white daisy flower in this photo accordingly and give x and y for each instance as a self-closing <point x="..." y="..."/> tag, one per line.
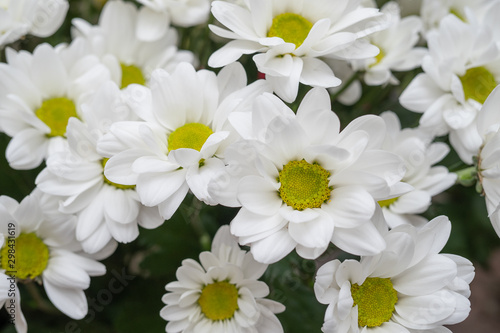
<point x="105" y="210"/>
<point x="44" y="249"/>
<point x="39" y="93"/>
<point x="156" y="16"/>
<point x="410" y="287"/>
<point x="222" y="294"/>
<point x="418" y="152"/>
<point x="301" y="183"/>
<point x="129" y="59"/>
<point x="433" y="11"/>
<point x="36" y="17"/>
<point x="178" y="146"/>
<point x="397" y="48"/>
<point x="289" y="38"/>
<point x="461" y="70"/>
<point x="487" y="161"/>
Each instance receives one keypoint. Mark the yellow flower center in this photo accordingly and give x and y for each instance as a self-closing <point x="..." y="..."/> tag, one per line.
<point x="478" y="83"/>
<point x="192" y="135"/>
<point x="27" y="256"/>
<point x="378" y="57"/>
<point x="219" y="300"/>
<point x="304" y="185"/>
<point x="131" y="74"/>
<point x="375" y="299"/>
<point x="292" y="28"/>
<point x="55" y="113"/>
<point x="388" y="202"/>
<point x="107" y="181"/>
<point x="457" y="13"/>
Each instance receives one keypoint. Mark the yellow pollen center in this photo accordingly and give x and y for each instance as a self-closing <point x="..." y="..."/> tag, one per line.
<point x="375" y="299"/>
<point x="378" y="57"/>
<point x="458" y="14"/>
<point x="219" y="300"/>
<point x="26" y="256"/>
<point x="388" y="202"/>
<point x="192" y="135"/>
<point x="478" y="83"/>
<point x="55" y="113"/>
<point x="292" y="28"/>
<point x="304" y="185"/>
<point x="107" y="181"/>
<point x="131" y="74"/>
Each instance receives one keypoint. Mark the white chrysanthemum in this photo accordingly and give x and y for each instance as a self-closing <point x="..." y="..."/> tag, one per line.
<point x="397" y="48"/>
<point x="105" y="210"/>
<point x="461" y="70"/>
<point x="488" y="162"/>
<point x="129" y="59"/>
<point x="410" y="287"/>
<point x="37" y="17"/>
<point x="45" y="251"/>
<point x="415" y="147"/>
<point x="156" y="16"/>
<point x="39" y="92"/>
<point x="433" y="11"/>
<point x="178" y="146"/>
<point x="291" y="36"/>
<point x="222" y="294"/>
<point x="301" y="183"/>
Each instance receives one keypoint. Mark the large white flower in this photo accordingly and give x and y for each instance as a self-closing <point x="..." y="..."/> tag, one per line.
<point x="45" y="250"/>
<point x="461" y="70"/>
<point x="37" y="17"/>
<point x="129" y="59"/>
<point x="289" y="38"/>
<point x="415" y="147"/>
<point x="409" y="288"/>
<point x="156" y="15"/>
<point x="178" y="146"/>
<point x="222" y="294"/>
<point x="397" y="48"/>
<point x="301" y="183"/>
<point x="39" y="92"/>
<point x="105" y="210"/>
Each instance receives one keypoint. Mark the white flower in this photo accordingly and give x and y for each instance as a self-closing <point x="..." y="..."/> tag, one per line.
<point x="289" y="38"/>
<point x="129" y="59"/>
<point x="178" y="146"/>
<point x="44" y="249"/>
<point x="410" y="287"/>
<point x="105" y="210"/>
<point x="301" y="183"/>
<point x="37" y="17"/>
<point x="433" y="11"/>
<point x="397" y="48"/>
<point x="488" y="162"/>
<point x="39" y="92"/>
<point x="418" y="152"/>
<point x="155" y="16"/>
<point x="462" y="68"/>
<point x="222" y="294"/>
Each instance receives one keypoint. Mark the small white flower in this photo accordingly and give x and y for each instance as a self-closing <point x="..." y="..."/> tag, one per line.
<point x="105" y="210"/>
<point x="222" y="294"/>
<point x="460" y="71"/>
<point x="45" y="251"/>
<point x="302" y="184"/>
<point x="178" y="146"/>
<point x="39" y="92"/>
<point x="289" y="38"/>
<point x="129" y="59"/>
<point x="37" y="17"/>
<point x="418" y="152"/>
<point x="397" y="48"/>
<point x="409" y="287"/>
<point x="156" y="15"/>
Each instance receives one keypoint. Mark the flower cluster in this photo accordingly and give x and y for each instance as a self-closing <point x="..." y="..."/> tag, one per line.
<point x="168" y="106"/>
